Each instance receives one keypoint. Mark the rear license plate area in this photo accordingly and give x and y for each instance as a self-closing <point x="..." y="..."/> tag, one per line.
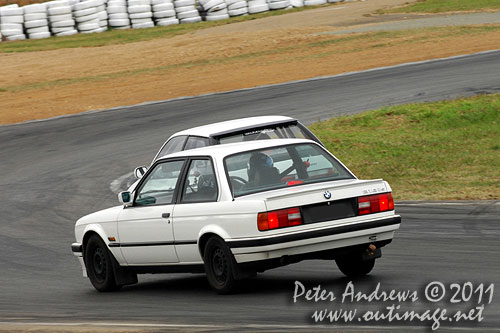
<point x="329" y="210"/>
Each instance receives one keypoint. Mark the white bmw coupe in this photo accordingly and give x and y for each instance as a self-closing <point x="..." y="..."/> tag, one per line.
<point x="237" y="209"/>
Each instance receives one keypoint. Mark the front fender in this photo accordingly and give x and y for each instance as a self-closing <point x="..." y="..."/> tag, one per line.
<point x="104" y="231"/>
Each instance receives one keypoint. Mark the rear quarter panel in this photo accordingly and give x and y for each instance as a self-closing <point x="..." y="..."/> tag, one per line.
<point x="227" y="219"/>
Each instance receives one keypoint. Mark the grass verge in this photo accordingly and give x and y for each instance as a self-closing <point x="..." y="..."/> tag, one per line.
<point x="114" y="37"/>
<point x="432" y="151"/>
<point x="441" y="6"/>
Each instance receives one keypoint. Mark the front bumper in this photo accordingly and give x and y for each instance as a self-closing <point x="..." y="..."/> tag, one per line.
<point x="314" y="241"/>
<point x="77" y="250"/>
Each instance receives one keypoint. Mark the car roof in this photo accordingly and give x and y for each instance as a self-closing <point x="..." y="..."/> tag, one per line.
<point x="220" y="151"/>
<point x="232" y="125"/>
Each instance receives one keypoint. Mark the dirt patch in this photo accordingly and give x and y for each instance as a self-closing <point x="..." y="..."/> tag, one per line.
<point x="37" y="85"/>
<point x="20" y="2"/>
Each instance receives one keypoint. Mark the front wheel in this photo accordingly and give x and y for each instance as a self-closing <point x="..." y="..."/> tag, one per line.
<point x="219" y="266"/>
<point x="353" y="267"/>
<point x="99" y="265"/>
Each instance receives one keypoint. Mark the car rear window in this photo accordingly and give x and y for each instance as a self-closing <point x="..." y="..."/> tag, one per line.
<point x="278" y="167"/>
<point x="272" y="132"/>
<point x="173" y="145"/>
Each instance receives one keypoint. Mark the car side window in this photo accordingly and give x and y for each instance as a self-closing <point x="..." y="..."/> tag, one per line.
<point x="159" y="186"/>
<point x="196" y="142"/>
<point x="200" y="184"/>
<point x="172" y="146"/>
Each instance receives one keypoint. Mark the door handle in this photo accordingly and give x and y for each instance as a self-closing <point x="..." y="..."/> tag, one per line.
<point x="165" y="215"/>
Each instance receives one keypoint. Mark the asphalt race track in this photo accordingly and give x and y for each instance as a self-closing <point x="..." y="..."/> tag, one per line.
<point x="53" y="172"/>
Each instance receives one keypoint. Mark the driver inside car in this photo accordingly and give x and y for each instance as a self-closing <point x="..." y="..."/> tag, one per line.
<point x="261" y="170"/>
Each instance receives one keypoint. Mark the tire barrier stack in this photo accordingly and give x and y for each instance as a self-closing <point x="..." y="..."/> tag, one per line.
<point x="237" y="7"/>
<point x="36" y="21"/>
<point x="61" y="18"/>
<point x="164" y="12"/>
<point x="86" y="17"/>
<point x="69" y="17"/>
<point x="140" y="14"/>
<point x="12" y="22"/>
<point x="314" y="2"/>
<point x="257" y="6"/>
<point x="118" y="14"/>
<point x="278" y="4"/>
<point x="213" y="10"/>
<point x="186" y="11"/>
<point x="102" y="15"/>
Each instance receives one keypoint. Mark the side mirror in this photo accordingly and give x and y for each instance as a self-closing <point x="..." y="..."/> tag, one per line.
<point x="125" y="198"/>
<point x="140" y="171"/>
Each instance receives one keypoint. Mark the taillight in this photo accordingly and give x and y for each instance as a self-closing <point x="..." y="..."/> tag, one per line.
<point x="279" y="219"/>
<point x="375" y="203"/>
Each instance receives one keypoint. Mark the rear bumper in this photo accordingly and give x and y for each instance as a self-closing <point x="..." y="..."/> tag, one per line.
<point x="314" y="241"/>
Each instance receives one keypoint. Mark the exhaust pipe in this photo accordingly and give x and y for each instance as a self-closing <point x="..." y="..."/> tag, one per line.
<point x="372" y="252"/>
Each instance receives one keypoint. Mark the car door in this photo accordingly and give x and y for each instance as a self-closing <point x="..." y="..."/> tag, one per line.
<point x="196" y="208"/>
<point x="145" y="228"/>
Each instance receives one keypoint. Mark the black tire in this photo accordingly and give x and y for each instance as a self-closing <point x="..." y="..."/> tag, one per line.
<point x="99" y="265"/>
<point x="219" y="266"/>
<point x="354" y="267"/>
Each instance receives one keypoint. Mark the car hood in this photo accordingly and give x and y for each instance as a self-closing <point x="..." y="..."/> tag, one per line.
<point x="105" y="215"/>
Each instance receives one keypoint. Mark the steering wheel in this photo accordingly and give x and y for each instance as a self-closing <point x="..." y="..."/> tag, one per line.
<point x="238" y="179"/>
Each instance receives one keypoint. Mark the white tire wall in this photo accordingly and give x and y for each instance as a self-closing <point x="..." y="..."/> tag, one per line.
<point x="237" y="7"/>
<point x="167" y="22"/>
<point x="164" y="12"/>
<point x="117" y="14"/>
<point x="214" y="10"/>
<point x="238" y="12"/>
<point x="16" y="37"/>
<point x="195" y="19"/>
<point x="68" y="17"/>
<point x="297" y="3"/>
<point x="86" y="17"/>
<point x="39" y="35"/>
<point x="67" y="33"/>
<point x="12" y="22"/>
<point x="278" y="4"/>
<point x="60" y="16"/>
<point x="140" y="14"/>
<point x="314" y="2"/>
<point x="257" y="6"/>
<point x="167" y="14"/>
<point x="186" y="11"/>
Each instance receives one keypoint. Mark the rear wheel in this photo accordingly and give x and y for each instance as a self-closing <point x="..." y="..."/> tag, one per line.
<point x="355" y="267"/>
<point x="99" y="265"/>
<point x="219" y="266"/>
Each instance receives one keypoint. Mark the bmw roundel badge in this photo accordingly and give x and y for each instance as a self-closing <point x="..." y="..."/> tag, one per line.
<point x="327" y="195"/>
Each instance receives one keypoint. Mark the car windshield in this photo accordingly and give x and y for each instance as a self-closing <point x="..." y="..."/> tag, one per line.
<point x="281" y="131"/>
<point x="278" y="167"/>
